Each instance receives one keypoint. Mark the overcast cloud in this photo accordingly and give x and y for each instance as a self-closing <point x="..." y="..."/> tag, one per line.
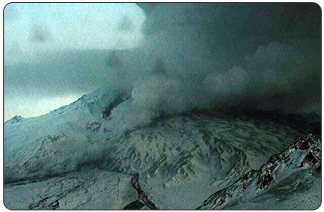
<point x="55" y="53"/>
<point x="195" y="56"/>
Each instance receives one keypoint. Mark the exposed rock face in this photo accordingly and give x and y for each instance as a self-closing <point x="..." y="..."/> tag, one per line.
<point x="143" y="198"/>
<point x="278" y="168"/>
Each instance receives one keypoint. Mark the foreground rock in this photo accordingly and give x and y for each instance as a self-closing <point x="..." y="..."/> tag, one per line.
<point x="284" y="180"/>
<point x="143" y="198"/>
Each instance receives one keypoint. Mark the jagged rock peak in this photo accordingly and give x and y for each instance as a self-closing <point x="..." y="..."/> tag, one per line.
<point x="306" y="150"/>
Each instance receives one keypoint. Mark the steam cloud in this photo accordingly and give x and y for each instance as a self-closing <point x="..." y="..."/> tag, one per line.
<point x="198" y="56"/>
<point x="195" y="56"/>
<point x="269" y="79"/>
<point x="181" y="69"/>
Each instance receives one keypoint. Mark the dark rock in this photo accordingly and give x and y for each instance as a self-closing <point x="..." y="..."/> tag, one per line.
<point x="266" y="180"/>
<point x="93" y="126"/>
<point x="136" y="205"/>
<point x="142" y="196"/>
<point x="310" y="157"/>
<point x="107" y="111"/>
<point x="304" y="145"/>
<point x="55" y="205"/>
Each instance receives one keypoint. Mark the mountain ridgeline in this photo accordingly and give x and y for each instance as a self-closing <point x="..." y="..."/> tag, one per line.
<point x="188" y="156"/>
<point x="208" y="112"/>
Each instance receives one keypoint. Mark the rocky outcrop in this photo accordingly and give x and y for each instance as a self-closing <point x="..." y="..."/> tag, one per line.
<point x="108" y="109"/>
<point x="304" y="153"/>
<point x="143" y="198"/>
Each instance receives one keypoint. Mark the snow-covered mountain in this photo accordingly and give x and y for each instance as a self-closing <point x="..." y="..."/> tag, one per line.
<point x="62" y="139"/>
<point x="290" y="177"/>
<point x="180" y="159"/>
<point x="184" y="123"/>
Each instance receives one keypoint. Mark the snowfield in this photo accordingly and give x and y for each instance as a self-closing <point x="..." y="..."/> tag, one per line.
<point x="181" y="159"/>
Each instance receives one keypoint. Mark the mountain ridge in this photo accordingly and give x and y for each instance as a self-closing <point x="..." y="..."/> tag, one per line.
<point x="197" y="152"/>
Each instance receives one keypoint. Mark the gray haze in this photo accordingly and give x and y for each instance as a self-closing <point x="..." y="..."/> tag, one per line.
<point x="266" y="56"/>
<point x="216" y="55"/>
<point x="55" y="53"/>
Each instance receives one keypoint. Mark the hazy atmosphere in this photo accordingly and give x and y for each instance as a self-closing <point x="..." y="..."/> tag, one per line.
<point x="55" y="53"/>
<point x="162" y="106"/>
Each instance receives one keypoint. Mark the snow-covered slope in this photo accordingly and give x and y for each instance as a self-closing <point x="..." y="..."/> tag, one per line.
<point x="186" y="156"/>
<point x="180" y="160"/>
<point x="289" y="180"/>
<point x="191" y="157"/>
<point x="183" y="115"/>
<point x="87" y="189"/>
<point x="41" y="146"/>
<point x="62" y="139"/>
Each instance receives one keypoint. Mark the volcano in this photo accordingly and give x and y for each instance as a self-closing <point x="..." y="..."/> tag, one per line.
<point x="207" y="113"/>
<point x="77" y="158"/>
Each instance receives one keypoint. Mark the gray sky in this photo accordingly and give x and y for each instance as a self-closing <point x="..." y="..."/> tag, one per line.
<point x="43" y="41"/>
<point x="269" y="54"/>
